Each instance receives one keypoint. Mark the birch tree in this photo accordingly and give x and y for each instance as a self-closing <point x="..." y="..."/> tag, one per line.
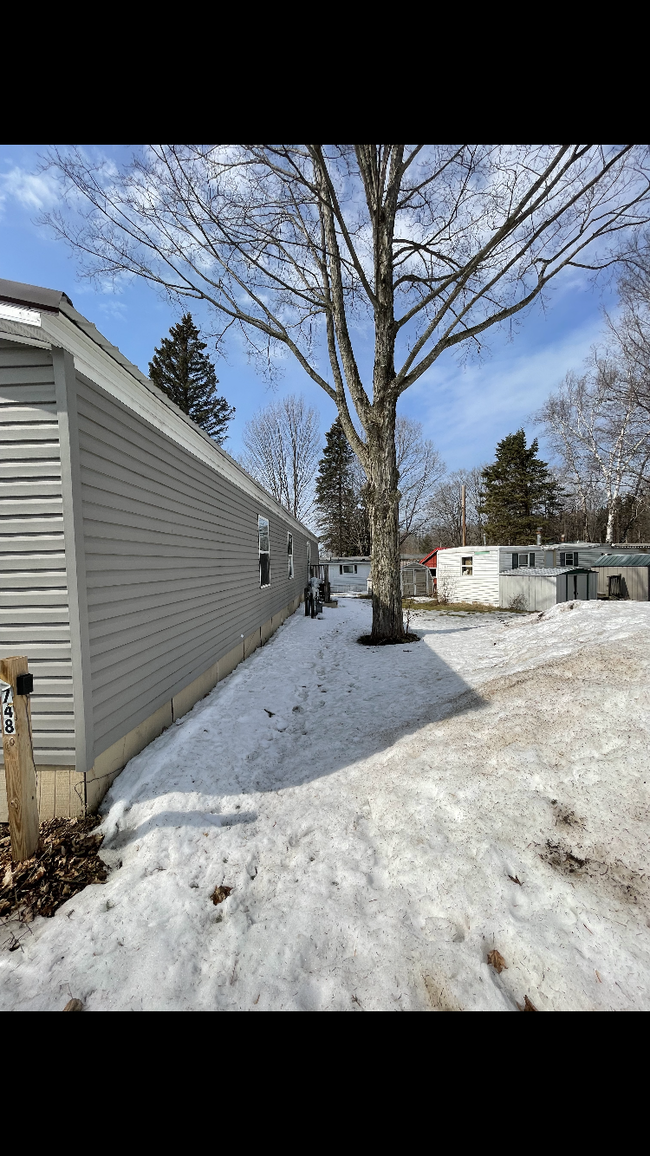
<point x="598" y="430"/>
<point x="312" y="251"/>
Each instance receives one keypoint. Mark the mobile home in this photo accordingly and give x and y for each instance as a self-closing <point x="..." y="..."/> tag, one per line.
<point x="474" y="573"/>
<point x="140" y="563"/>
<point x="348" y="575"/>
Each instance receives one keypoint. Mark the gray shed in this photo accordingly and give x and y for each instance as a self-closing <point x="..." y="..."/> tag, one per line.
<point x="416" y="580"/>
<point x="540" y="588"/>
<point x="140" y="563"/>
<point x="623" y="576"/>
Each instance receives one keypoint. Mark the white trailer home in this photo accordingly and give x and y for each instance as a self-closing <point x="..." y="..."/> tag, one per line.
<point x="474" y="573"/>
<point x="348" y="575"/>
<point x="139" y="563"/>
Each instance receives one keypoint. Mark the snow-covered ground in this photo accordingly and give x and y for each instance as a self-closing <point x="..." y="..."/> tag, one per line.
<point x="385" y="817"/>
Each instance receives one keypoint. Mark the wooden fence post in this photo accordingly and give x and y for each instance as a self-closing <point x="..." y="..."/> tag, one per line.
<point x="20" y="773"/>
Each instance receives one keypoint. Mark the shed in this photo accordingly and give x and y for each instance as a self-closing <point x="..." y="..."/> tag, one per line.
<point x="623" y="576"/>
<point x="140" y="562"/>
<point x="539" y="588"/>
<point x="416" y="580"/>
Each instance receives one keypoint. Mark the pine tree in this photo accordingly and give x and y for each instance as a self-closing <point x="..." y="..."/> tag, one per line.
<point x="185" y="373"/>
<point x="519" y="493"/>
<point x="339" y="505"/>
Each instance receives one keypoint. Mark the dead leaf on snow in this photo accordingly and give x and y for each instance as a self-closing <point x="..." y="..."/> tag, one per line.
<point x="528" y="1005"/>
<point x="219" y="894"/>
<point x="496" y="960"/>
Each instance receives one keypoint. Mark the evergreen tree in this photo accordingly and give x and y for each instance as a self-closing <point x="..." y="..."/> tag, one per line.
<point x="185" y="373"/>
<point x="519" y="494"/>
<point x="339" y="505"/>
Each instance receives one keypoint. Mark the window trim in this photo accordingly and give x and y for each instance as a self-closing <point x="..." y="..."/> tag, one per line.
<point x="467" y="566"/>
<point x="263" y="524"/>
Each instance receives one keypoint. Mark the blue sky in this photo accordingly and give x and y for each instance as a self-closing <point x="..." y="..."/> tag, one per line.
<point x="464" y="411"/>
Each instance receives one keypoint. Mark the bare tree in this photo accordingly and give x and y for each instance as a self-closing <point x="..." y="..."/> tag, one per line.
<point x="305" y="247"/>
<point x="444" y="513"/>
<point x="419" y="467"/>
<point x="594" y="424"/>
<point x="630" y="330"/>
<point x="282" y="448"/>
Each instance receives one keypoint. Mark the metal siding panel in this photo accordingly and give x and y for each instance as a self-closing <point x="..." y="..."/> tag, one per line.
<point x="17" y="356"/>
<point x="34" y="616"/>
<point x="17" y="434"/>
<point x="171" y="556"/>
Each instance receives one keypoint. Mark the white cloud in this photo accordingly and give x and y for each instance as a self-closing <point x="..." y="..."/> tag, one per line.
<point x="116" y="310"/>
<point x="465" y="411"/>
<point x="34" y="191"/>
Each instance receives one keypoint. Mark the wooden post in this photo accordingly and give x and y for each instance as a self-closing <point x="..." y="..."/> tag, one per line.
<point x="20" y="773"/>
<point x="462" y="498"/>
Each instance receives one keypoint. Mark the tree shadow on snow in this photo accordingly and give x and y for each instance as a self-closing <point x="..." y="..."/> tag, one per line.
<point x="369" y="699"/>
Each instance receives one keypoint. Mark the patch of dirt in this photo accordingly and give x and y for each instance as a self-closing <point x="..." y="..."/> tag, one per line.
<point x="439" y="995"/>
<point x="618" y="878"/>
<point x="67" y="860"/>
<point x="368" y="640"/>
<point x="451" y="607"/>
<point x="566" y="818"/>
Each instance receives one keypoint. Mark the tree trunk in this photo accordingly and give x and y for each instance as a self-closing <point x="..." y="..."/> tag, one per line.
<point x="610" y="524"/>
<point x="387" y="620"/>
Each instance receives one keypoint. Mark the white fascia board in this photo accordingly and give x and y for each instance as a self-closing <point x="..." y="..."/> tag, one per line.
<point x="141" y="395"/>
<point x="19" y="314"/>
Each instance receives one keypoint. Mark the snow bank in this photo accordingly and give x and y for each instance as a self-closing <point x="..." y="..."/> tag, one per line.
<point x="385" y="817"/>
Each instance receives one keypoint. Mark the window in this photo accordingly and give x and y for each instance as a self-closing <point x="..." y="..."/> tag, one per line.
<point x="290" y="555"/>
<point x="347" y="569"/>
<point x="264" y="541"/>
<point x="569" y="559"/>
<point x="526" y="559"/>
<point x="466" y="566"/>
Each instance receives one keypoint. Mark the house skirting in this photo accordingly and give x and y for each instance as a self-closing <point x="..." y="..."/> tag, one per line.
<point x="64" y="792"/>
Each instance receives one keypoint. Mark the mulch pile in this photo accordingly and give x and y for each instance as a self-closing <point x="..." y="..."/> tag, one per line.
<point x="67" y="861"/>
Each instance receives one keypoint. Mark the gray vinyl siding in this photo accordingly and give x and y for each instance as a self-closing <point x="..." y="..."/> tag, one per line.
<point x="171" y="563"/>
<point x="542" y="591"/>
<point x="539" y="591"/>
<point x="34" y="608"/>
